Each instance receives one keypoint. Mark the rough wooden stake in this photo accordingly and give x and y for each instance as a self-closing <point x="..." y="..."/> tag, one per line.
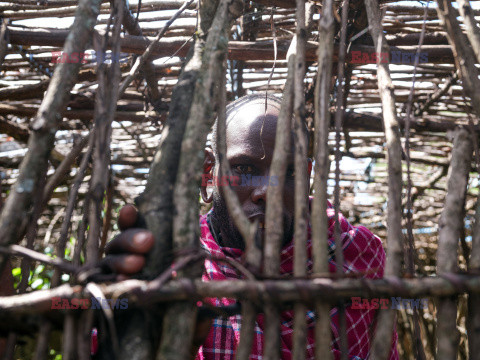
<point x="179" y="322"/>
<point x="302" y="182"/>
<point x="342" y="96"/>
<point x="465" y="59"/>
<point x="381" y="345"/>
<point x="473" y="321"/>
<point x="253" y="256"/>
<point x="156" y="203"/>
<point x="4" y="39"/>
<point x="106" y="104"/>
<point x="473" y="32"/>
<point x="319" y="219"/>
<point x="274" y="219"/>
<point x="450" y="227"/>
<point x="249" y="316"/>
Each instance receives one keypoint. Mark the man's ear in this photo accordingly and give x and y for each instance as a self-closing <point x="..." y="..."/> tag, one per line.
<point x="208" y="165"/>
<point x="208" y="162"/>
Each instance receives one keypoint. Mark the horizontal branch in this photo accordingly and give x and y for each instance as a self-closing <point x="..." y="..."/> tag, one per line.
<point x="16" y="131"/>
<point x="87" y="115"/>
<point x="35" y="255"/>
<point x="67" y="8"/>
<point x="144" y="293"/>
<point x="352" y="121"/>
<point x="237" y="50"/>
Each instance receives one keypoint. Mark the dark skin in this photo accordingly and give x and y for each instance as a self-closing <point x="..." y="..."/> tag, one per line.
<point x="250" y="144"/>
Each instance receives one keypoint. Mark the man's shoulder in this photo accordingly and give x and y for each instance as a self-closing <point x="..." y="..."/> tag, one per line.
<point x="363" y="251"/>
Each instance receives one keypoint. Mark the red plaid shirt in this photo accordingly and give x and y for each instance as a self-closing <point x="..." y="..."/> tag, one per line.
<point x="363" y="253"/>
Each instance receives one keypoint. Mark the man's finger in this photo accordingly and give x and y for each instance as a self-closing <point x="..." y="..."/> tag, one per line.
<point x="131" y="241"/>
<point x="124" y="264"/>
<point x="127" y="217"/>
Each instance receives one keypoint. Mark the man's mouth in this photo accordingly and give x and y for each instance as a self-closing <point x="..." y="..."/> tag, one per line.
<point x="261" y="220"/>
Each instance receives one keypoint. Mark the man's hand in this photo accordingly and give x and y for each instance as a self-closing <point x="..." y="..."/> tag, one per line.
<point x="126" y="252"/>
<point x="126" y="256"/>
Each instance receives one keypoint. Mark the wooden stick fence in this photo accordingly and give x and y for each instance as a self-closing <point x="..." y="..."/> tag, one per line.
<point x="321" y="79"/>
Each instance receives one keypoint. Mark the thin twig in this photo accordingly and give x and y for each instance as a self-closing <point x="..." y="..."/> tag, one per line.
<point x="34" y="255"/>
<point x="106" y="104"/>
<point x="411" y="257"/>
<point x="72" y="201"/>
<point x="339" y="114"/>
<point x="139" y="63"/>
<point x="248" y="230"/>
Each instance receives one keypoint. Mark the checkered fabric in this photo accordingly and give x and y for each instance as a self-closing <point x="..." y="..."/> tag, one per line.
<point x="363" y="254"/>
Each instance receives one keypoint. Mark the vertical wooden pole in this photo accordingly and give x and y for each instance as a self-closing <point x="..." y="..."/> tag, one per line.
<point x="302" y="182"/>
<point x="451" y="225"/>
<point x="382" y="342"/>
<point x="319" y="218"/>
<point x="180" y="318"/>
<point x="274" y="218"/>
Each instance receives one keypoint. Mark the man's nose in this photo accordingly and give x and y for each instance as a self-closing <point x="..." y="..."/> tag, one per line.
<point x="260" y="193"/>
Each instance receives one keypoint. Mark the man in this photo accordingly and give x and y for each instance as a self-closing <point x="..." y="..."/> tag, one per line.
<point x="251" y="129"/>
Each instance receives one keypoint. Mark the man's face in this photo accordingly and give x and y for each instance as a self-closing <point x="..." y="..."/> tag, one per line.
<point x="250" y="144"/>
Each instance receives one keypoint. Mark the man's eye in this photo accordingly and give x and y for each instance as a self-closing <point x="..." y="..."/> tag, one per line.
<point x="243" y="169"/>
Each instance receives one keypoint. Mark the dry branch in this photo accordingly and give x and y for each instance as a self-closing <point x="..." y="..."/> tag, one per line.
<point x="450" y="227"/>
<point x="41" y="141"/>
<point x="274" y="206"/>
<point x="319" y="219"/>
<point x="302" y="182"/>
<point x="16" y="131"/>
<point x="33" y="255"/>
<point x="143" y="293"/>
<point x="237" y="50"/>
<point x="106" y="104"/>
<point x="473" y="321"/>
<point x="4" y="39"/>
<point x="248" y="230"/>
<point x="63" y="169"/>
<point x="380" y="347"/>
<point x="179" y="321"/>
<point x="473" y="32"/>
<point x="23" y="92"/>
<point x="87" y="115"/>
<point x="143" y="60"/>
<point x="133" y="28"/>
<point x="465" y="59"/>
